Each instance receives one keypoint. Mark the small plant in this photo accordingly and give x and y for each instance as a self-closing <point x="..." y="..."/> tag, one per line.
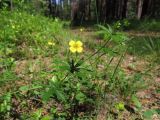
<point x="153" y="46"/>
<point x="73" y="78"/>
<point x="147" y="47"/>
<point x="120" y="106"/>
<point x="121" y="25"/>
<point x="118" y="25"/>
<point x="107" y="33"/>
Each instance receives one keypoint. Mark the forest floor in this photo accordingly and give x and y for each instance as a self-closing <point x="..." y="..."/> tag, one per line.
<point x="137" y="33"/>
<point x="150" y="97"/>
<point x="31" y="68"/>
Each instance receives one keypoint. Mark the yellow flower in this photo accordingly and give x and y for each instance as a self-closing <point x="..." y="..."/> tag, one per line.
<point x="56" y="20"/>
<point x="76" y="46"/>
<point x="81" y="29"/>
<point x="51" y="43"/>
<point x="13" y="27"/>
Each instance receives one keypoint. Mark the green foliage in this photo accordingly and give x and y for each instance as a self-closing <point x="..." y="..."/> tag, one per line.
<point x="108" y="33"/>
<point x="5" y="106"/>
<point x="145" y="46"/>
<point x="126" y="85"/>
<point x="21" y="28"/>
<point x="73" y="79"/>
<point x="25" y="36"/>
<point x="148" y="114"/>
<point x="145" y="25"/>
<point x="7" y="76"/>
<point x="71" y="87"/>
<point x="33" y="7"/>
<point x="153" y="47"/>
<point x="21" y="32"/>
<point x="121" y="24"/>
<point x="136" y="102"/>
<point x="76" y="83"/>
<point x="120" y="106"/>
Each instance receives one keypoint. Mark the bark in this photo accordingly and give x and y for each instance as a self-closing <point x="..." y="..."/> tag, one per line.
<point x="139" y="9"/>
<point x="11" y="5"/>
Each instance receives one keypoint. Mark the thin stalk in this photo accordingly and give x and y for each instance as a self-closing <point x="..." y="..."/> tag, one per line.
<point x="120" y="60"/>
<point x="95" y="52"/>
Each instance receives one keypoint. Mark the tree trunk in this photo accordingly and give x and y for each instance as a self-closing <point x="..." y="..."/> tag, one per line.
<point x="139" y="9"/>
<point x="11" y="5"/>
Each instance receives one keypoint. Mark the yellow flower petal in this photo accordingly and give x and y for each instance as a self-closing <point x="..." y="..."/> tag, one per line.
<point x="81" y="29"/>
<point x="13" y="27"/>
<point x="71" y="43"/>
<point x="72" y="49"/>
<point x="56" y="19"/>
<point x="51" y="43"/>
<point x="79" y="49"/>
<point x="79" y="43"/>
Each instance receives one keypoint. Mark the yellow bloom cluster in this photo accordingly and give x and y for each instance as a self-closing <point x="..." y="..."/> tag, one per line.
<point x="51" y="43"/>
<point x="76" y="46"/>
<point x="82" y="29"/>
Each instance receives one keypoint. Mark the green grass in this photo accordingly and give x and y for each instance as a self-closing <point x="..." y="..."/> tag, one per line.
<point x="25" y="36"/>
<point x="145" y="46"/>
<point x="144" y="25"/>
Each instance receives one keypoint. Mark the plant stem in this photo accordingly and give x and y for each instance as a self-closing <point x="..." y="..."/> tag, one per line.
<point x="95" y="52"/>
<point x="120" y="60"/>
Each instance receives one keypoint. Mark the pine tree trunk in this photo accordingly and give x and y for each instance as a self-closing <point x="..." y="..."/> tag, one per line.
<point x="11" y="5"/>
<point x="139" y="10"/>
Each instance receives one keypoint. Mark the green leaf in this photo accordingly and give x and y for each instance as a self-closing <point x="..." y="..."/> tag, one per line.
<point x="46" y="118"/>
<point x="119" y="37"/>
<point x="64" y="67"/>
<point x="120" y="106"/>
<point x="47" y="94"/>
<point x="158" y="90"/>
<point x="158" y="111"/>
<point x="24" y="88"/>
<point x="136" y="101"/>
<point x="37" y="114"/>
<point x="149" y="113"/>
<point x="29" y="87"/>
<point x="60" y="96"/>
<point x="80" y="97"/>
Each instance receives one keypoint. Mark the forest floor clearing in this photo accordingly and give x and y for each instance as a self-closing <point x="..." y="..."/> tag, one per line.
<point x="143" y="34"/>
<point x="133" y="33"/>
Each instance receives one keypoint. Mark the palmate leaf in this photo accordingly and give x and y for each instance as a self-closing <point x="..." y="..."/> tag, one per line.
<point x="105" y="32"/>
<point x="108" y="33"/>
<point x="53" y="91"/>
<point x="105" y="29"/>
